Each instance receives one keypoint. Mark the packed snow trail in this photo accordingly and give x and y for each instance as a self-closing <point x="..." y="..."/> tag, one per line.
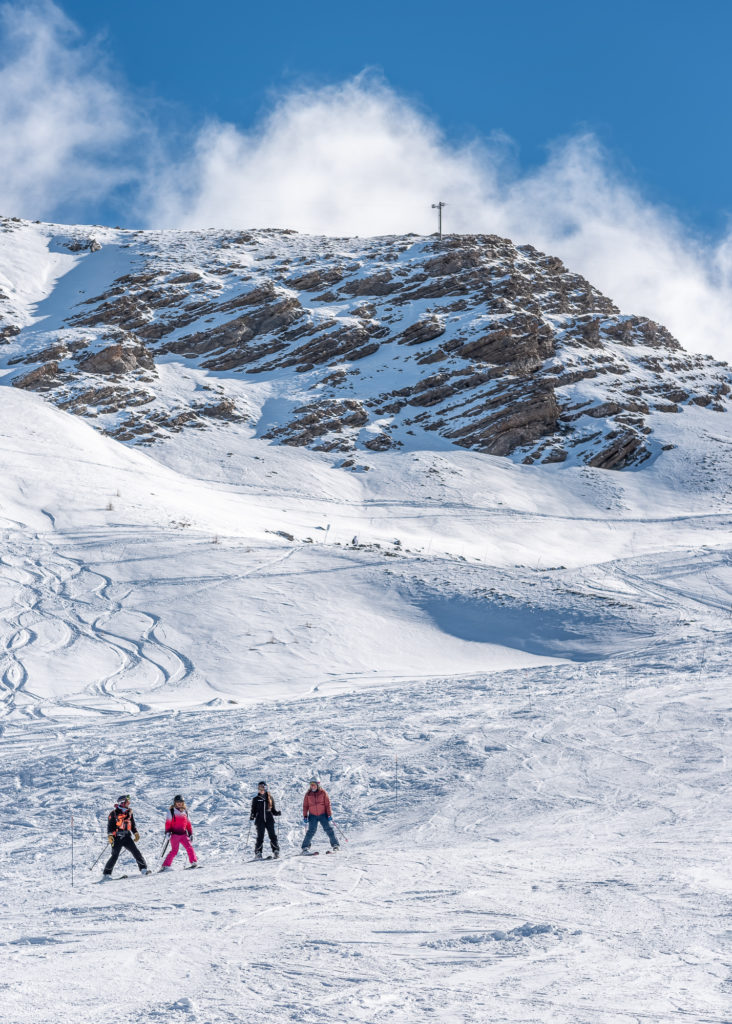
<point x="557" y="853"/>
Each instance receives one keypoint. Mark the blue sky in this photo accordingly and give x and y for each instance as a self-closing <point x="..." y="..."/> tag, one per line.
<point x="596" y="132"/>
<point x="651" y="79"/>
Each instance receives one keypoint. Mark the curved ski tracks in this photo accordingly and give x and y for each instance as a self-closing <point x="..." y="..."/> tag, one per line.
<point x="51" y="603"/>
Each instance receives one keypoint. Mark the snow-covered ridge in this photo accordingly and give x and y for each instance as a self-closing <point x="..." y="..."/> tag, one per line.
<point x="340" y="344"/>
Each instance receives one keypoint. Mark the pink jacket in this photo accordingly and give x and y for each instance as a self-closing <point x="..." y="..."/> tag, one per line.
<point x="178" y="823"/>
<point x="316" y="803"/>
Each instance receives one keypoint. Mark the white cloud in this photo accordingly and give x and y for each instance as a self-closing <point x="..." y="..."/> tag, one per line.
<point x="62" y="121"/>
<point x="347" y="159"/>
<point x="354" y="158"/>
<point x="637" y="253"/>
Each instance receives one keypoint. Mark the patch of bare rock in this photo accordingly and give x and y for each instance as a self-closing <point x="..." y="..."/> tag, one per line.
<point x="495" y="347"/>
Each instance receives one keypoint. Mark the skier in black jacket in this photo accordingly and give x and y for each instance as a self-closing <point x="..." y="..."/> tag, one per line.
<point x="120" y="829"/>
<point x="263" y="813"/>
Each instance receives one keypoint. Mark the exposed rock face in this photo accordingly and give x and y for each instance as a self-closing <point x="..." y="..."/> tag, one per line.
<point x="8" y="331"/>
<point x="42" y="378"/>
<point x="522" y="342"/>
<point x="77" y="244"/>
<point x="117" y="359"/>
<point x="500" y="427"/>
<point x="321" y="418"/>
<point x="376" y="284"/>
<point x="314" y="280"/>
<point x="423" y="331"/>
<point x="367" y="343"/>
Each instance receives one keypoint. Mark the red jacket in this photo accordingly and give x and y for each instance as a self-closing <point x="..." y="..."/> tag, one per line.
<point x="317" y="802"/>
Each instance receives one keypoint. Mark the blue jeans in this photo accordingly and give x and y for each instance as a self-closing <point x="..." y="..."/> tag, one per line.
<point x="312" y="827"/>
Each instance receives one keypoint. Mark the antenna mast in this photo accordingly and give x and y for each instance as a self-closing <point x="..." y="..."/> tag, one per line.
<point x="438" y="207"/>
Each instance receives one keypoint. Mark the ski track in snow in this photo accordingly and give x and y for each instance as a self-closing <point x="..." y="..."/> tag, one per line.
<point x="556" y="852"/>
<point x="57" y="604"/>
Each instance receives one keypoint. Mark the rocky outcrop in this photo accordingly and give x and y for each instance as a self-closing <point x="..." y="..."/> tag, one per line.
<point x="375" y="284"/>
<point x="232" y="339"/>
<point x="127" y="311"/>
<point x="316" y="421"/>
<point x="494" y="347"/>
<point x="520" y="342"/>
<point x="423" y="331"/>
<point x="82" y="245"/>
<point x="117" y="359"/>
<point x="510" y="421"/>
<point x="8" y="331"/>
<point x="314" y="280"/>
<point x="43" y="378"/>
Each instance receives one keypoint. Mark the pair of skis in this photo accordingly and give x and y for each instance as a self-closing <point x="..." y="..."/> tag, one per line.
<point x="309" y="853"/>
<point x="119" y="878"/>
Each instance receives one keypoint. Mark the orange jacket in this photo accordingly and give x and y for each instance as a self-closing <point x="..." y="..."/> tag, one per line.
<point x="121" y="820"/>
<point x="315" y="803"/>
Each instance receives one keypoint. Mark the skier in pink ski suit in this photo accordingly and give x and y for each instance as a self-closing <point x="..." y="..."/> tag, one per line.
<point x="178" y="825"/>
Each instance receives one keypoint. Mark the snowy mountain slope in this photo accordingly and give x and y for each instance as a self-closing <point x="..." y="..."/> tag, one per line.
<point x="130" y="582"/>
<point x="556" y="851"/>
<point x="540" y="652"/>
<point x="340" y="344"/>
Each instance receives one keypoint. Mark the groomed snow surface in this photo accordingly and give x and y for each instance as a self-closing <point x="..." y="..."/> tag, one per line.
<point x="539" y="656"/>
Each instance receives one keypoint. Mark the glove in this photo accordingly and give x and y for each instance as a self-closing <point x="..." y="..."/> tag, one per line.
<point x="111" y="840"/>
<point x="305" y="822"/>
<point x="137" y="837"/>
<point x="330" y="820"/>
<point x="277" y="813"/>
<point x="190" y="834"/>
<point x="252" y="817"/>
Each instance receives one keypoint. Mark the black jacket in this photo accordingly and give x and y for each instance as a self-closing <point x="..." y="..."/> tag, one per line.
<point x="261" y="810"/>
<point x="120" y="822"/>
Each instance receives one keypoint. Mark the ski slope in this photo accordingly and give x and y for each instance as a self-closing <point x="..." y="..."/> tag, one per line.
<point x="556" y="851"/>
<point x="540" y="654"/>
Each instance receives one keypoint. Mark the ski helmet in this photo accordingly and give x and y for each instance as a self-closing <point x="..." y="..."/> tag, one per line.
<point x="262" y="783"/>
<point x="178" y="799"/>
<point x="123" y="799"/>
<point x="315" y="780"/>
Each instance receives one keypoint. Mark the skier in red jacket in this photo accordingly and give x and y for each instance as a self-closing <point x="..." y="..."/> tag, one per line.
<point x="315" y="810"/>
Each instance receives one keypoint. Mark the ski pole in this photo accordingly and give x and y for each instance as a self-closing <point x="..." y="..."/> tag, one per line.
<point x="246" y="845"/>
<point x="72" y="849"/>
<point x="165" y="845"/>
<point x="341" y="830"/>
<point x="99" y="857"/>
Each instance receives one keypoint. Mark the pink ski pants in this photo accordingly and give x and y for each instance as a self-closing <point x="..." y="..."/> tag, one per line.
<point x="175" y="842"/>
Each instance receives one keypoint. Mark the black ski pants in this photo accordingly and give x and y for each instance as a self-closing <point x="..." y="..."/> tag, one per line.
<point x="124" y="839"/>
<point x="271" y="832"/>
